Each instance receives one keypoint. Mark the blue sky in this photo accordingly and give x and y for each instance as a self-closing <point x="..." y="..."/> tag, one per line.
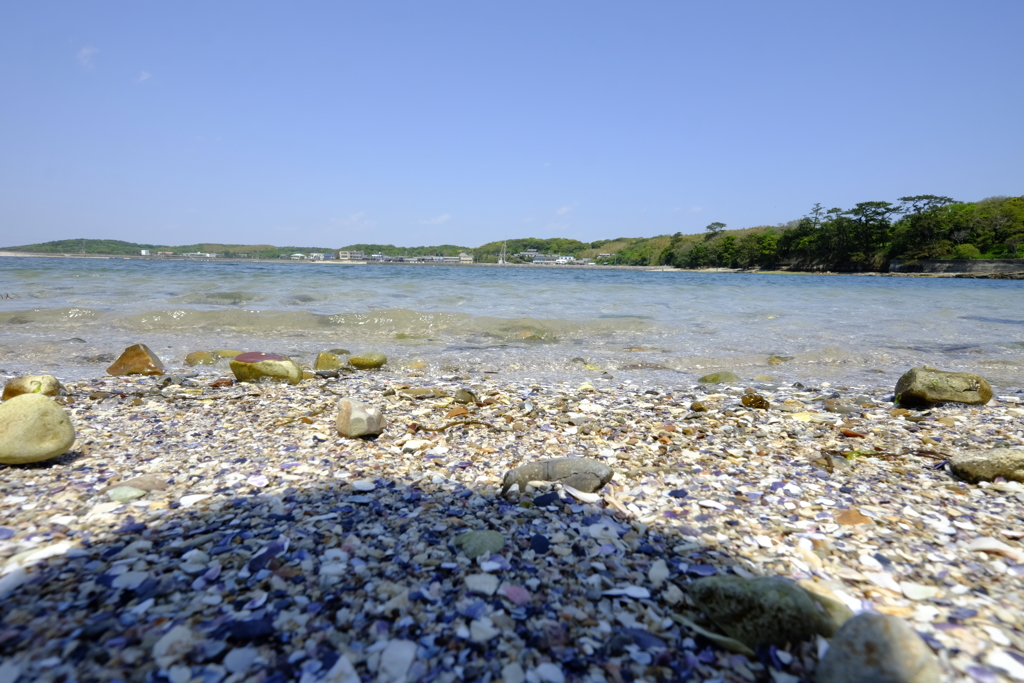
<point x="413" y="123"/>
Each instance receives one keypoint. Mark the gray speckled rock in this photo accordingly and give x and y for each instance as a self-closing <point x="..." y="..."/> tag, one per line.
<point x="975" y="466"/>
<point x="358" y="419"/>
<point x="877" y="648"/>
<point x="926" y="386"/>
<point x="765" y="610"/>
<point x="33" y="428"/>
<point x="48" y="385"/>
<point x="583" y="474"/>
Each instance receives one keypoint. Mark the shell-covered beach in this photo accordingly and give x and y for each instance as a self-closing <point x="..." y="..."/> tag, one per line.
<point x="256" y="544"/>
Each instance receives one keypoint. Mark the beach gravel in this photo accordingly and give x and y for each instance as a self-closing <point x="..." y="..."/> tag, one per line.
<point x="267" y="547"/>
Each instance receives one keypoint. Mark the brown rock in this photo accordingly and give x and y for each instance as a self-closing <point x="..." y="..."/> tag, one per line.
<point x="852" y="518"/>
<point x="137" y="360"/>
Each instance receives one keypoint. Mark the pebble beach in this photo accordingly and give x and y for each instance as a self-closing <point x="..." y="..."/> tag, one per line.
<point x="203" y="530"/>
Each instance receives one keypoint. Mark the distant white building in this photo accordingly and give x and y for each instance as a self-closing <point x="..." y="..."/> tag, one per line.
<point x="465" y="258"/>
<point x="344" y="255"/>
<point x="145" y="252"/>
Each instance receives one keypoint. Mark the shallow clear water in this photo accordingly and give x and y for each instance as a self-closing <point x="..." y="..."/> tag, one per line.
<point x="57" y="315"/>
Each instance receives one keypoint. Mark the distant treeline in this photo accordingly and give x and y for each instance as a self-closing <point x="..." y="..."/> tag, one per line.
<point x="120" y="248"/>
<point x="866" y="237"/>
<point x="392" y="250"/>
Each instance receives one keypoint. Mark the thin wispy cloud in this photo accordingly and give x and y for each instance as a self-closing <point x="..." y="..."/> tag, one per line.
<point x="439" y="220"/>
<point x="356" y="221"/>
<point x="85" y="56"/>
<point x="143" y="77"/>
<point x="563" y="210"/>
<point x="696" y="209"/>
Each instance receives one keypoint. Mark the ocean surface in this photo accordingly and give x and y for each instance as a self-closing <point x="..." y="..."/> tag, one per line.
<point x="68" y="317"/>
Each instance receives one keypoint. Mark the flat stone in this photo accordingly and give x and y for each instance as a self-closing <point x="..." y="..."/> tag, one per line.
<point x="975" y="466"/>
<point x="137" y="360"/>
<point x="877" y="648"/>
<point x="357" y="419"/>
<point x="33" y="427"/>
<point x="256" y="365"/>
<point x="484" y="584"/>
<point x="47" y="385"/>
<point x="146" y="482"/>
<point x="395" y="661"/>
<point x="476" y="543"/>
<point x="368" y="361"/>
<point x="239" y="659"/>
<point x="123" y="494"/>
<point x="926" y="386"/>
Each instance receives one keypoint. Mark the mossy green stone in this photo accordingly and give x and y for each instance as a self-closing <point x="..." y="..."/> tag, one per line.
<point x="762" y="611"/>
<point x="926" y="386"/>
<point x="476" y="543"/>
<point x="465" y="396"/>
<point x="368" y="361"/>
<point x="326" y="360"/>
<point x="719" y="378"/>
<point x="123" y="494"/>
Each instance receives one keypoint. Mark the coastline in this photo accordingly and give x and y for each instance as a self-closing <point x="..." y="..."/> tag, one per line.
<point x="1010" y="275"/>
<point x="188" y="581"/>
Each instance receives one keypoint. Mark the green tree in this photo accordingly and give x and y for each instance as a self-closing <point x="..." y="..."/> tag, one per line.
<point x="713" y="230"/>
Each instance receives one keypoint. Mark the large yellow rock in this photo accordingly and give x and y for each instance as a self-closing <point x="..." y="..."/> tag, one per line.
<point x="33" y="428"/>
<point x="47" y="385"/>
<point x="256" y="365"/>
<point x="137" y="360"/>
<point x="368" y="361"/>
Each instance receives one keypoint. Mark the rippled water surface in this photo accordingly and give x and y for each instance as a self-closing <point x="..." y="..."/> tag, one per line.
<point x="66" y="315"/>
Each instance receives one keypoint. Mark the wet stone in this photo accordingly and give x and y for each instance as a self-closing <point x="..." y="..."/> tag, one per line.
<point x="137" y="360"/>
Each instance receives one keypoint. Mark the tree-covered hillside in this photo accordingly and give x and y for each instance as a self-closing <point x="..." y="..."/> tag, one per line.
<point x="865" y="237"/>
<point x="392" y="250"/>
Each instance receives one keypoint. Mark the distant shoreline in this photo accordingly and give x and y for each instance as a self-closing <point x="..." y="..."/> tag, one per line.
<point x="654" y="269"/>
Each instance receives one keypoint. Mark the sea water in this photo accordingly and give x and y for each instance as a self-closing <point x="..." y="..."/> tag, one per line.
<point x="67" y="316"/>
